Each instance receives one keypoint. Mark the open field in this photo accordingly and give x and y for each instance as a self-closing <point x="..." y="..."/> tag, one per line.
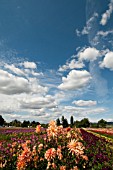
<point x="53" y="148"/>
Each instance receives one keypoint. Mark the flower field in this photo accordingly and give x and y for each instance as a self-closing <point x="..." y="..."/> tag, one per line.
<point x="103" y="131"/>
<point x="53" y="148"/>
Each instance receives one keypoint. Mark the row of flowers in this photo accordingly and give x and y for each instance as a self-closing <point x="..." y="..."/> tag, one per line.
<point x="15" y="130"/>
<point x="98" y="150"/>
<point x="55" y="148"/>
<point x="103" y="131"/>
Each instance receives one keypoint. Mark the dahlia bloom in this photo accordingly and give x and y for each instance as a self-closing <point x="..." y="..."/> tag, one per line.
<point x="75" y="168"/>
<point x="50" y="154"/>
<point x="62" y="167"/>
<point x="52" y="123"/>
<point x="54" y="165"/>
<point x="52" y="130"/>
<point x="59" y="154"/>
<point x="76" y="147"/>
<point x="23" y="158"/>
<point x="40" y="146"/>
<point x="38" y="129"/>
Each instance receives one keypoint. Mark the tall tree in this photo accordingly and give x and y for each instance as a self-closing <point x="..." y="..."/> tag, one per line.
<point x="62" y="119"/>
<point x="71" y="120"/>
<point x="58" y="122"/>
<point x="65" y="123"/>
<point x="2" y="121"/>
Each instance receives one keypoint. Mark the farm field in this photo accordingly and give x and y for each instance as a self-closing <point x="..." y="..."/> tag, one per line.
<point x="53" y="148"/>
<point x="107" y="132"/>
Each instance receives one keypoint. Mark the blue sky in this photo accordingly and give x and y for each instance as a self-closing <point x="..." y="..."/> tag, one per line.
<point x="56" y="58"/>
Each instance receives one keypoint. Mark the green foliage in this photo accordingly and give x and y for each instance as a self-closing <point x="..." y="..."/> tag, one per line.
<point x="94" y="125"/>
<point x="102" y="123"/>
<point x="15" y="123"/>
<point x="83" y="123"/>
<point x="25" y="123"/>
<point x="34" y="124"/>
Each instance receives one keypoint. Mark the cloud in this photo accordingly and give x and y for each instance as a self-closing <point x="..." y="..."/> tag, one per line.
<point x="38" y="102"/>
<point x="103" y="39"/>
<point x="88" y="26"/>
<point x="81" y="112"/>
<point x="75" y="80"/>
<point x="89" y="54"/>
<point x="11" y="84"/>
<point x="107" y="61"/>
<point x="8" y="104"/>
<point x="71" y="65"/>
<point x="35" y="87"/>
<point x="84" y="102"/>
<point x="104" y="33"/>
<point x="31" y="65"/>
<point x="107" y="14"/>
<point x="26" y="72"/>
<point x="14" y="69"/>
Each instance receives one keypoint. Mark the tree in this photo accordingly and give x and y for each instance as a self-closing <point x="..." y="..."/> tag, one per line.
<point x="94" y="125"/>
<point x="25" y="123"/>
<point x="102" y="123"/>
<point x="58" y="122"/>
<point x="2" y="121"/>
<point x="85" y="122"/>
<point x="77" y="124"/>
<point x="62" y="119"/>
<point x="65" y="123"/>
<point x="34" y="124"/>
<point x="71" y="121"/>
<point x="16" y="123"/>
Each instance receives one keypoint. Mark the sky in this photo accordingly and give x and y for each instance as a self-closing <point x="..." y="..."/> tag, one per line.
<point x="56" y="59"/>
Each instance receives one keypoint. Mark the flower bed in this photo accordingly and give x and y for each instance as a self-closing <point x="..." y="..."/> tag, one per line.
<point x="108" y="132"/>
<point x="55" y="148"/>
<point x="98" y="151"/>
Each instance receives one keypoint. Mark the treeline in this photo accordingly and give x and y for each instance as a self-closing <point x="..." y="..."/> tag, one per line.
<point x="17" y="123"/>
<point x="82" y="123"/>
<point x="63" y="121"/>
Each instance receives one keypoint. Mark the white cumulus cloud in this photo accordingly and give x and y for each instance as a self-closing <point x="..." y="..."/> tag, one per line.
<point x="107" y="61"/>
<point x="10" y="84"/>
<point x="71" y="65"/>
<point x="75" y="80"/>
<point x="89" y="54"/>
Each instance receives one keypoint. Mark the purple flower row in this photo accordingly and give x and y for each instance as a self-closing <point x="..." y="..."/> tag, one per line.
<point x="20" y="130"/>
<point x="98" y="151"/>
